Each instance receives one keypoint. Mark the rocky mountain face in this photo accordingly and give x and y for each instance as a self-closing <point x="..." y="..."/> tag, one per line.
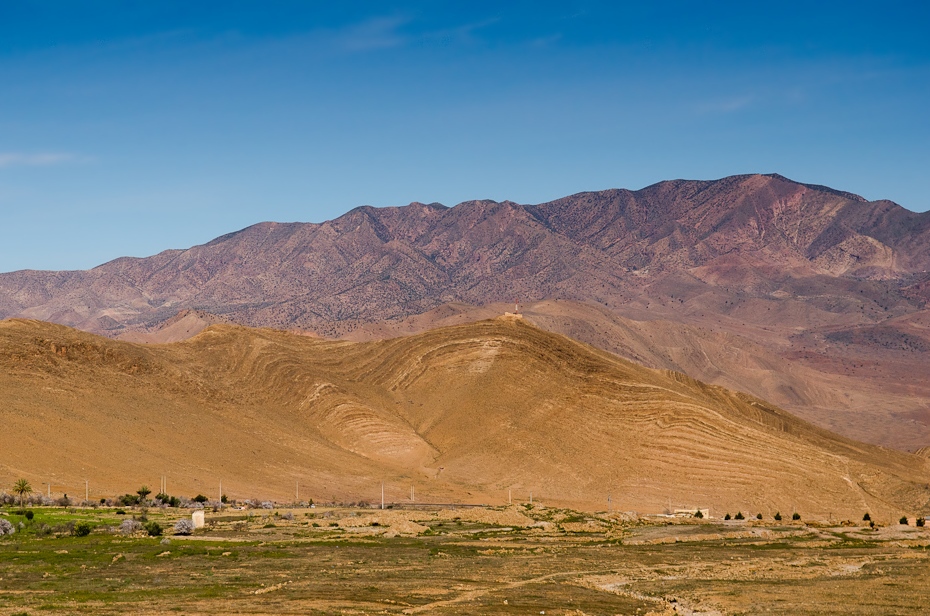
<point x="815" y="280"/>
<point x="754" y="234"/>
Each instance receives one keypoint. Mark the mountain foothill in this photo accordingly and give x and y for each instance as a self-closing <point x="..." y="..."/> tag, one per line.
<point x="746" y="328"/>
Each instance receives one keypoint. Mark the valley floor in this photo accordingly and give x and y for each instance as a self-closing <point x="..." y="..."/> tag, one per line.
<point x="463" y="561"/>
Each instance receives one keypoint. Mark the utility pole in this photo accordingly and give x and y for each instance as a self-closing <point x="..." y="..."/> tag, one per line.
<point x="412" y="498"/>
<point x="382" y="495"/>
<point x="509" y="497"/>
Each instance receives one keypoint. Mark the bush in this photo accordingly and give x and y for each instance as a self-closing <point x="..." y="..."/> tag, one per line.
<point x="223" y="499"/>
<point x="30" y="515"/>
<point x="866" y="517"/>
<point x="6" y="528"/>
<point x="128" y="500"/>
<point x="698" y="514"/>
<point x="267" y="505"/>
<point x="153" y="529"/>
<point x="200" y="498"/>
<point x="82" y="529"/>
<point x="727" y="517"/>
<point x="740" y="516"/>
<point x="184" y="526"/>
<point x="120" y="512"/>
<point x="795" y="516"/>
<point x="777" y="516"/>
<point x="921" y="522"/>
<point x="758" y="516"/>
<point x="903" y="520"/>
<point x="128" y="527"/>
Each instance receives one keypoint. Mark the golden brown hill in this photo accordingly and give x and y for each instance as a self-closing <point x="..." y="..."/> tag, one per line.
<point x="462" y="413"/>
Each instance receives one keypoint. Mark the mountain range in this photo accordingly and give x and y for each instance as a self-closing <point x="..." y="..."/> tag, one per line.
<point x="812" y="298"/>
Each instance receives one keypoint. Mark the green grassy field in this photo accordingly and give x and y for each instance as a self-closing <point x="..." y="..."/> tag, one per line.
<point x="344" y="561"/>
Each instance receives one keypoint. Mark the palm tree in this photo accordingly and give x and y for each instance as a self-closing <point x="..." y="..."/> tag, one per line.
<point x="22" y="488"/>
<point x="143" y="492"/>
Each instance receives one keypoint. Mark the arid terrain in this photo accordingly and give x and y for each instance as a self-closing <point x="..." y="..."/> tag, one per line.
<point x="809" y="297"/>
<point x="516" y="560"/>
<point x="476" y="413"/>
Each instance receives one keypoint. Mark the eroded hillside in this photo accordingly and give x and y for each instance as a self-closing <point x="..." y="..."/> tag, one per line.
<point x="463" y="413"/>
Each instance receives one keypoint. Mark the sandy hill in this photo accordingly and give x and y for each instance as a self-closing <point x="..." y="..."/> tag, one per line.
<point x="462" y="413"/>
<point x="868" y="383"/>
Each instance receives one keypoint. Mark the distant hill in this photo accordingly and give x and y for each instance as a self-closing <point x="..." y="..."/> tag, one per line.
<point x="463" y="413"/>
<point x="830" y="290"/>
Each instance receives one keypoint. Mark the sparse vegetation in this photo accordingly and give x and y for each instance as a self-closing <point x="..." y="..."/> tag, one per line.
<point x="356" y="574"/>
<point x="184" y="526"/>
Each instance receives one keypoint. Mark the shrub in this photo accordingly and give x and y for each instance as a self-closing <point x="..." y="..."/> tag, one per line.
<point x="224" y="499"/>
<point x="200" y="498"/>
<point x="267" y="505"/>
<point x="777" y="516"/>
<point x="795" y="516"/>
<point x="120" y="512"/>
<point x="920" y="522"/>
<point x="903" y="520"/>
<point x="287" y="516"/>
<point x="866" y="517"/>
<point x="727" y="517"/>
<point x="184" y="526"/>
<point x="64" y="501"/>
<point x="6" y="528"/>
<point x="82" y="529"/>
<point x="30" y="515"/>
<point x="153" y="529"/>
<point x="128" y="500"/>
<point x="698" y="514"/>
<point x="740" y="516"/>
<point x="758" y="516"/>
<point x="128" y="527"/>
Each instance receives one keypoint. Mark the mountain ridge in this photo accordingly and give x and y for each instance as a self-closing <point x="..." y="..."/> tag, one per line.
<point x="776" y="263"/>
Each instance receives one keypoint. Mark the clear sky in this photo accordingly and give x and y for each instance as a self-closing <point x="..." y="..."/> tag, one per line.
<point x="130" y="127"/>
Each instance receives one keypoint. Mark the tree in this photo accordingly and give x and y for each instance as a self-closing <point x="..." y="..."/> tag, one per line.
<point x="143" y="492"/>
<point x="22" y="488"/>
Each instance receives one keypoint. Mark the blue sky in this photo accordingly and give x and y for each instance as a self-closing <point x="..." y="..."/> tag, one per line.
<point x="130" y="127"/>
